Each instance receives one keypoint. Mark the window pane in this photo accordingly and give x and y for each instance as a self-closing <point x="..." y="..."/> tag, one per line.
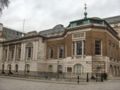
<point x="29" y="52"/>
<point x="61" y="52"/>
<point x="79" y="47"/>
<point x="50" y="53"/>
<point x="98" y="47"/>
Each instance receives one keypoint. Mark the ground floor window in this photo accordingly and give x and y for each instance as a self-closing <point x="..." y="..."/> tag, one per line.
<point x="50" y="68"/>
<point x="59" y="69"/>
<point x="78" y="69"/>
<point x="69" y="69"/>
<point x="3" y="68"/>
<point x="9" y="68"/>
<point x="27" y="68"/>
<point x="16" y="68"/>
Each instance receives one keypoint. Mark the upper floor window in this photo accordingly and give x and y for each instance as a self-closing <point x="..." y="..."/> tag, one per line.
<point x="50" y="52"/>
<point x="5" y="54"/>
<point x="29" y="50"/>
<point x="11" y="52"/>
<point x="79" y="47"/>
<point x="61" y="52"/>
<point x="98" y="47"/>
<point x="18" y="52"/>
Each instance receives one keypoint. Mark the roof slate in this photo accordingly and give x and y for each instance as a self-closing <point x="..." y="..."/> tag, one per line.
<point x="115" y="19"/>
<point x="57" y="30"/>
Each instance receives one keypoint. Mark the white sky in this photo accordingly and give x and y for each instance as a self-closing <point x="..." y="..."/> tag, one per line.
<point x="44" y="14"/>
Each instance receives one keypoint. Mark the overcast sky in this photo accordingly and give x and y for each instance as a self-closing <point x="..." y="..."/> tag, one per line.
<point x="44" y="14"/>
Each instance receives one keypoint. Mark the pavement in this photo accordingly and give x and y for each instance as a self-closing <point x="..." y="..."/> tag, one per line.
<point x="57" y="81"/>
<point x="16" y="84"/>
<point x="11" y="83"/>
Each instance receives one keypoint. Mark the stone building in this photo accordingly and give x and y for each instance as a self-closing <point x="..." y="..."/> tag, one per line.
<point x="89" y="45"/>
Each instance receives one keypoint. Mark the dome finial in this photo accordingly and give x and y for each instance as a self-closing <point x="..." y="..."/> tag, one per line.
<point x="85" y="13"/>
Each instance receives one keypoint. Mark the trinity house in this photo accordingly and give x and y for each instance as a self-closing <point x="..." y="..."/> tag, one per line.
<point x="89" y="45"/>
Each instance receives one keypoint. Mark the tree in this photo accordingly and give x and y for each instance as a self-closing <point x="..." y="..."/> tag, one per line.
<point x="3" y="4"/>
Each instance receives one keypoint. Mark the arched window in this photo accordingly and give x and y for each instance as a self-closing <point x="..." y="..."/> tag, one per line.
<point x="78" y="69"/>
<point x="29" y="51"/>
<point x="16" y="68"/>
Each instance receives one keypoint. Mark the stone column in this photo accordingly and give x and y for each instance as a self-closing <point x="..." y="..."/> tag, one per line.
<point x="35" y="50"/>
<point x="14" y="58"/>
<point x="82" y="48"/>
<point x="65" y="50"/>
<point x="75" y="49"/>
<point x="7" y="53"/>
<point x="23" y="51"/>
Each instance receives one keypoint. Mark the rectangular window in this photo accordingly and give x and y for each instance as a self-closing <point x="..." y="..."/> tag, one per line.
<point x="69" y="69"/>
<point x="50" y="52"/>
<point x="29" y="52"/>
<point x="19" y="52"/>
<point x="79" y="47"/>
<point x="5" y="54"/>
<point x="110" y="49"/>
<point x="98" y="47"/>
<point x="12" y="53"/>
<point x="61" y="52"/>
<point x="73" y="46"/>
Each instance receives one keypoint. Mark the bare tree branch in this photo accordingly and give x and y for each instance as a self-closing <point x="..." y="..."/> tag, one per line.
<point x="3" y="4"/>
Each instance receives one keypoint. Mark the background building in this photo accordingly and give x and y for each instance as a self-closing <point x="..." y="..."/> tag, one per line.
<point x="9" y="34"/>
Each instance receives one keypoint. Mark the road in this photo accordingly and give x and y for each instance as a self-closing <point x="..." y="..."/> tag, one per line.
<point x="15" y="84"/>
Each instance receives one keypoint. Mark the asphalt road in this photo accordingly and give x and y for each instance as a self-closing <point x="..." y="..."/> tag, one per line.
<point x="14" y="84"/>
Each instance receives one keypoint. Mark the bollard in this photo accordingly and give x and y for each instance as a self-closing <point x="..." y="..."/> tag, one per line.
<point x="101" y="77"/>
<point x="78" y="79"/>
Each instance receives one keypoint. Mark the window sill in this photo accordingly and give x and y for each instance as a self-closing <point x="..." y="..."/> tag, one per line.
<point x="80" y="56"/>
<point x="98" y="55"/>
